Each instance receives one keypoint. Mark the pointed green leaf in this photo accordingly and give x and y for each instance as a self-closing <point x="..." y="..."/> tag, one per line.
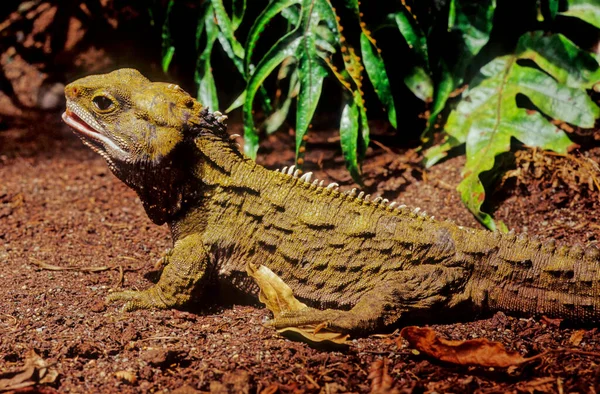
<point x="236" y="51"/>
<point x="443" y="88"/>
<point x="310" y="71"/>
<point x="586" y="10"/>
<point x="167" y="57"/>
<point x="349" y="137"/>
<point x="207" y="90"/>
<point x="277" y="118"/>
<point x="310" y="74"/>
<point x="284" y="48"/>
<point x="273" y="9"/>
<point x="238" y="102"/>
<point x="378" y="76"/>
<point x="238" y="8"/>
<point x="168" y="50"/>
<point x="414" y="36"/>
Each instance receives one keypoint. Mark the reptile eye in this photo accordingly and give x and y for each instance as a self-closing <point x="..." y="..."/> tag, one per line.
<point x="103" y="103"/>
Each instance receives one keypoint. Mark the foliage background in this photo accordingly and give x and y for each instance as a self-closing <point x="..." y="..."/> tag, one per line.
<point x="489" y="74"/>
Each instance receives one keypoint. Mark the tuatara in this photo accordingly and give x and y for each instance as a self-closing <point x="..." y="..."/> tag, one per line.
<point x="359" y="263"/>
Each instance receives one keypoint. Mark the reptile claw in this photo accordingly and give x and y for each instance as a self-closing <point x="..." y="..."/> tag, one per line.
<point x="329" y="319"/>
<point x="146" y="299"/>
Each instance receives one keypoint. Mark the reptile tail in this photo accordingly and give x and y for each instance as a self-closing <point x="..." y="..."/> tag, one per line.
<point x="526" y="277"/>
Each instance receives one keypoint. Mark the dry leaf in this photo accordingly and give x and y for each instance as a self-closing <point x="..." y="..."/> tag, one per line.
<point x="274" y="292"/>
<point x="381" y="381"/>
<point x="481" y="352"/>
<point x="279" y="298"/>
<point x="577" y="337"/>
<point x="270" y="389"/>
<point x="551" y="321"/>
<point x="126" y="376"/>
<point x="538" y="385"/>
<point x="35" y="371"/>
<point x="185" y="389"/>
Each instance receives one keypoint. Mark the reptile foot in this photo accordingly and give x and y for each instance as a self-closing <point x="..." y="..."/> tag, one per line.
<point x="330" y="319"/>
<point x="151" y="298"/>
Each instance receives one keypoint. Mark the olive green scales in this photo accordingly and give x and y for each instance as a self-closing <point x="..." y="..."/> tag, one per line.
<point x="360" y="263"/>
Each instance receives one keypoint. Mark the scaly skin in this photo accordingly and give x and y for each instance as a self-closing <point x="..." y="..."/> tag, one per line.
<point x="360" y="264"/>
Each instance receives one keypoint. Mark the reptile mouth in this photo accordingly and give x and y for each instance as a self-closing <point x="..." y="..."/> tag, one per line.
<point x="87" y="128"/>
<point x="83" y="129"/>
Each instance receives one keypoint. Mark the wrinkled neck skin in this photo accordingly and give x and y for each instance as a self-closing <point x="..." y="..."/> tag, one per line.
<point x="163" y="184"/>
<point x="215" y="164"/>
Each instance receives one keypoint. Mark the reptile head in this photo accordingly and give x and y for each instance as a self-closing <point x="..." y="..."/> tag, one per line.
<point x="138" y="126"/>
<point x="126" y="118"/>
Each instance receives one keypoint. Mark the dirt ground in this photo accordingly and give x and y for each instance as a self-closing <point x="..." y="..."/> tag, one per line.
<point x="60" y="205"/>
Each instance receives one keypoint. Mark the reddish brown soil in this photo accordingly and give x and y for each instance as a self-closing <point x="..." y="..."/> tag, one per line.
<point x="60" y="205"/>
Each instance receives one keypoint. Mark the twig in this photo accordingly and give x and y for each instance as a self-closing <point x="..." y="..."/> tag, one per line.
<point x="157" y="338"/>
<point x="121" y="277"/>
<point x="385" y="148"/>
<point x="51" y="267"/>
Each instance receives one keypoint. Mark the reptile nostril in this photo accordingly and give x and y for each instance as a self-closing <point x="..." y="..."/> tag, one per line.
<point x="71" y="91"/>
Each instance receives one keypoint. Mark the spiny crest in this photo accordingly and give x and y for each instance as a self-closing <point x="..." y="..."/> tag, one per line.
<point x="333" y="187"/>
<point x="575" y="252"/>
<point x="213" y="122"/>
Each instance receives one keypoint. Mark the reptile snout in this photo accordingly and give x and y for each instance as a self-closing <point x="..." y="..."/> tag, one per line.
<point x="72" y="91"/>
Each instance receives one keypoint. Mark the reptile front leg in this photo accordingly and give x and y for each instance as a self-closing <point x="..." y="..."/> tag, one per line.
<point x="419" y="288"/>
<point x="184" y="266"/>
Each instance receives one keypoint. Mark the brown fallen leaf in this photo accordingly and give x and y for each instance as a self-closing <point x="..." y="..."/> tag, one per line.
<point x="576" y="337"/>
<point x="381" y="381"/>
<point x="35" y="371"/>
<point x="551" y="321"/>
<point x="538" y="385"/>
<point x="279" y="298"/>
<point x="479" y="352"/>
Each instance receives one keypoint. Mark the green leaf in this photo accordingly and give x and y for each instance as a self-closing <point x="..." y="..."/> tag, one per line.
<point x="284" y="48"/>
<point x="586" y="10"/>
<point x="311" y="74"/>
<point x="168" y="50"/>
<point x="167" y="57"/>
<point x="238" y="102"/>
<point x="488" y="117"/>
<point x="238" y="8"/>
<point x="443" y="89"/>
<point x="226" y="27"/>
<point x="207" y="90"/>
<point x="276" y="119"/>
<point x="349" y="137"/>
<point x="273" y="9"/>
<point x="378" y="76"/>
<point x="471" y="24"/>
<point x="414" y="36"/>
<point x="561" y="58"/>
<point x="553" y="8"/>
